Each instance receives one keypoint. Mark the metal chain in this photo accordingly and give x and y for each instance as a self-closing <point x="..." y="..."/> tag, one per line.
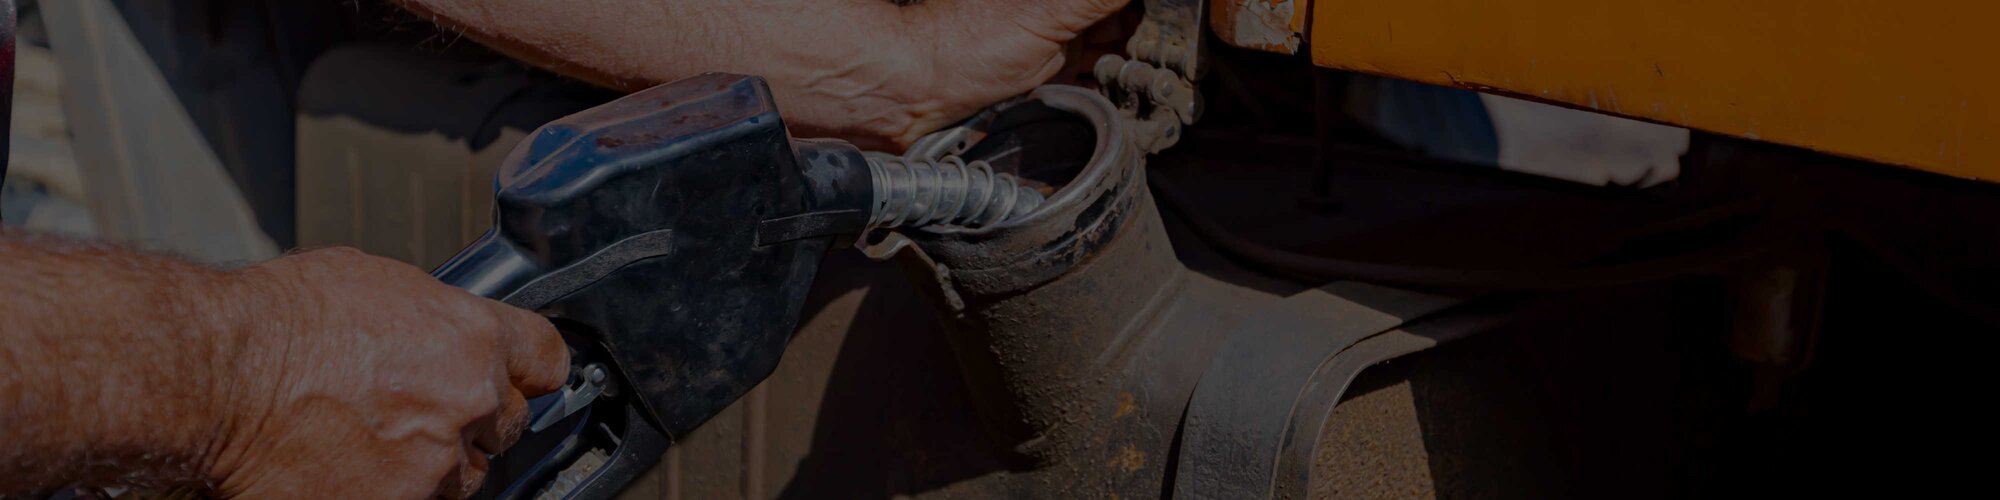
<point x="1155" y="88"/>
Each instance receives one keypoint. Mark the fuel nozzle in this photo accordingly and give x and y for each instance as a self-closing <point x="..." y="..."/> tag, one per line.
<point x="671" y="236"/>
<point x="949" y="191"/>
<point x="906" y="192"/>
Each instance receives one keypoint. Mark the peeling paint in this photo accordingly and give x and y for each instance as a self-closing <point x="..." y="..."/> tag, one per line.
<point x="1260" y="24"/>
<point x="1126" y="405"/>
<point x="1129" y="459"/>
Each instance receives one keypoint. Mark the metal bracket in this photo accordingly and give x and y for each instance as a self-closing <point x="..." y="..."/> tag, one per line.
<point x="1155" y="88"/>
<point x="1241" y="412"/>
<point x="1170" y="36"/>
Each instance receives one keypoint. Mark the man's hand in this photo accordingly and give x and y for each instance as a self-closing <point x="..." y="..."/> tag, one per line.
<point x="388" y="385"/>
<point x="921" y="67"/>
<point x="321" y="374"/>
<point x="870" y="71"/>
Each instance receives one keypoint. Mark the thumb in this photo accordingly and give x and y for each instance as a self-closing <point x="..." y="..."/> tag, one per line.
<point x="1076" y="15"/>
<point x="1056" y="20"/>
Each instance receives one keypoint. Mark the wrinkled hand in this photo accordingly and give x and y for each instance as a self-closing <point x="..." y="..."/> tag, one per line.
<point x="370" y="379"/>
<point x="931" y="64"/>
<point x="870" y="71"/>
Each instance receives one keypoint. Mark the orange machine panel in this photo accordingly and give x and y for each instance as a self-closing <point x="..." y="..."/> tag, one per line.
<point x="1907" y="82"/>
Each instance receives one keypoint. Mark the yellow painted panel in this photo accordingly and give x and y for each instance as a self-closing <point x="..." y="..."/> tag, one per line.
<point x="1907" y="82"/>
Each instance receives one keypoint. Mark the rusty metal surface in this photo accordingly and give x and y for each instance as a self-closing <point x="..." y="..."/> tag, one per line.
<point x="1079" y="333"/>
<point x="1240" y="414"/>
<point x="1010" y="293"/>
<point x="1070" y="225"/>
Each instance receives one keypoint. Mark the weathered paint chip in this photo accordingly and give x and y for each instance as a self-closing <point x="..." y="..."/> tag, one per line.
<point x="1269" y="25"/>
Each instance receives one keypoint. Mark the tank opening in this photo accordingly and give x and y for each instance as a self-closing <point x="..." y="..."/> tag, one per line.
<point x="1044" y="146"/>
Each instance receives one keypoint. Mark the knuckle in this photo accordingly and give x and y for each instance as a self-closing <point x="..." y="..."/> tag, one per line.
<point x="510" y="429"/>
<point x="332" y="253"/>
<point x="478" y="321"/>
<point x="549" y="380"/>
<point x="471" y="482"/>
<point x="444" y="463"/>
<point x="472" y="408"/>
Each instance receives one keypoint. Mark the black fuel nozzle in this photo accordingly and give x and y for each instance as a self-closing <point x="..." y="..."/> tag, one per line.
<point x="671" y="235"/>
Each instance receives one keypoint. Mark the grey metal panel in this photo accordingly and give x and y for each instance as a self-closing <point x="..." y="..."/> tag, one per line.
<point x="233" y="66"/>
<point x="149" y="176"/>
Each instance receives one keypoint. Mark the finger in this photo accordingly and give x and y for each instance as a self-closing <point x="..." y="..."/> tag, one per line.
<point x="495" y="434"/>
<point x="464" y="480"/>
<point x="537" y="360"/>
<point x="1073" y="16"/>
